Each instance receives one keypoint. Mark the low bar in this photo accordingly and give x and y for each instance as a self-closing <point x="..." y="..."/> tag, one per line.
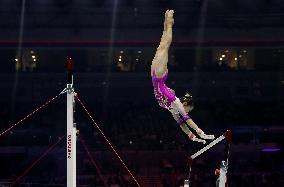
<point x="207" y="147"/>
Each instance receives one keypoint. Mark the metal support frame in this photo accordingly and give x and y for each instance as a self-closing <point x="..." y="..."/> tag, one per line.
<point x="222" y="180"/>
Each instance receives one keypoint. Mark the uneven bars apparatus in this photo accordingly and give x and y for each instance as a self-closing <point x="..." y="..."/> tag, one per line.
<point x="71" y="128"/>
<point x="222" y="180"/>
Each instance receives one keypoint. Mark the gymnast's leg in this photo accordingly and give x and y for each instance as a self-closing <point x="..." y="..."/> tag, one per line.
<point x="159" y="63"/>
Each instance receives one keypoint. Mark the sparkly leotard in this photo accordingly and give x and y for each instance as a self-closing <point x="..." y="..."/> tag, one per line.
<point x="164" y="95"/>
<point x="167" y="99"/>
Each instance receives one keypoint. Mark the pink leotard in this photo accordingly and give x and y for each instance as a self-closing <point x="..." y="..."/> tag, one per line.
<point x="167" y="99"/>
<point x="164" y="95"/>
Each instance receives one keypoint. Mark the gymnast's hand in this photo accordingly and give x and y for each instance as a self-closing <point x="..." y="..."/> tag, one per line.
<point x="192" y="137"/>
<point x="202" y="135"/>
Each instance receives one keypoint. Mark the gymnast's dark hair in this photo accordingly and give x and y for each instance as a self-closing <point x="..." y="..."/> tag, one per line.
<point x="187" y="98"/>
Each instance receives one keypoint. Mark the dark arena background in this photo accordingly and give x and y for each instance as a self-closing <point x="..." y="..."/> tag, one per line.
<point x="228" y="53"/>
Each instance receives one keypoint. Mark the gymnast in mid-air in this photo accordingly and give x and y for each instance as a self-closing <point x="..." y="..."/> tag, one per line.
<point x="166" y="96"/>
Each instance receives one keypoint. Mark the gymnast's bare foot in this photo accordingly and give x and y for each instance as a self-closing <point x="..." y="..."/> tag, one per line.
<point x="169" y="19"/>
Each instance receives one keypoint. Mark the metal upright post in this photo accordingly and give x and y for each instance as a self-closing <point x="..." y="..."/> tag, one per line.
<point x="225" y="162"/>
<point x="71" y="128"/>
<point x="187" y="181"/>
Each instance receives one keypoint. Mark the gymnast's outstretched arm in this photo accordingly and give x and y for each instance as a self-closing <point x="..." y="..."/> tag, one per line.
<point x="186" y="130"/>
<point x="160" y="60"/>
<point x="179" y="106"/>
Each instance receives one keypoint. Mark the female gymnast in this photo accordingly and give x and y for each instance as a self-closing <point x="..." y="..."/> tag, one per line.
<point x="166" y="96"/>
